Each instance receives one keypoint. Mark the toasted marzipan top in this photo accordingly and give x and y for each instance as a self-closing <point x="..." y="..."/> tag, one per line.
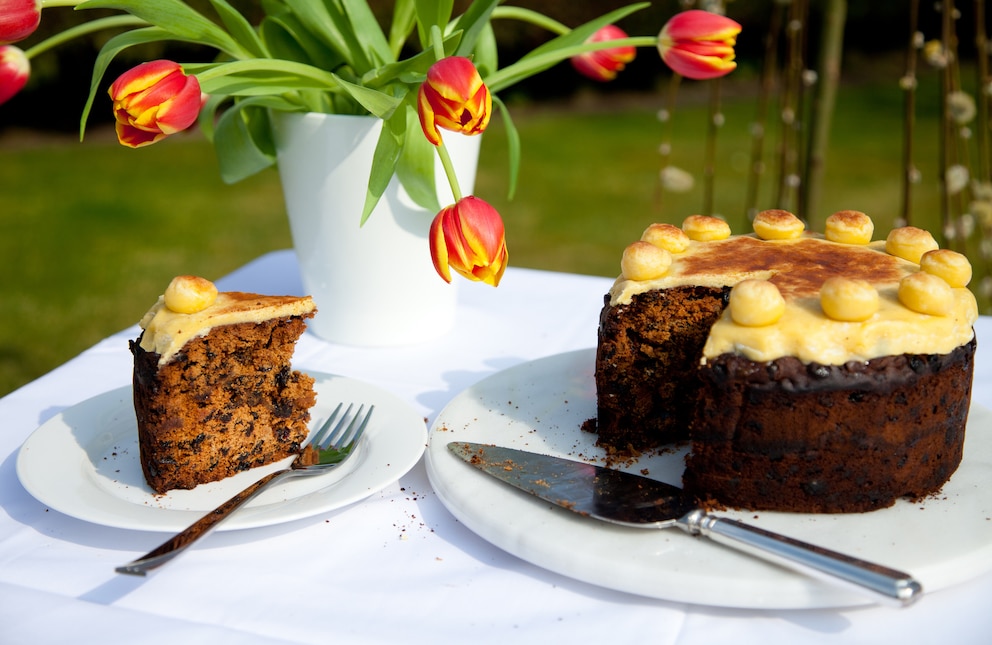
<point x="167" y="331"/>
<point x="798" y="267"/>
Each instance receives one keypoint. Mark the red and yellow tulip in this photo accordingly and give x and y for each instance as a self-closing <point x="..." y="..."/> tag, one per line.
<point x="14" y="71"/>
<point x="468" y="236"/>
<point x="18" y="19"/>
<point x="603" y="64"/>
<point x="698" y="44"/>
<point x="154" y="100"/>
<point x="454" y="98"/>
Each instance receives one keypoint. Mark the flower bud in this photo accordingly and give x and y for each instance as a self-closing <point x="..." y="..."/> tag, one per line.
<point x="698" y="44"/>
<point x="469" y="237"/>
<point x="454" y="98"/>
<point x="14" y="71"/>
<point x="152" y="101"/>
<point x="603" y="64"/>
<point x="18" y="19"/>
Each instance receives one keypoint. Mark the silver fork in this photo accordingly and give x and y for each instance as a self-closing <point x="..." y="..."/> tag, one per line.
<point x="329" y="447"/>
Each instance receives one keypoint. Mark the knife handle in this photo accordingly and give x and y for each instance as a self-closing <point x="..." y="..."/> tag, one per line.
<point x="881" y="583"/>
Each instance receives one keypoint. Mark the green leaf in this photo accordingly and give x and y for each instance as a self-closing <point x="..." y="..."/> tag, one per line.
<point x="336" y="24"/>
<point x="243" y="138"/>
<point x="474" y="23"/>
<point x="402" y="24"/>
<point x="432" y="12"/>
<point x="239" y="28"/>
<point x="411" y="68"/>
<point x="415" y="168"/>
<point x="387" y="152"/>
<point x="366" y="26"/>
<point x="513" y="146"/>
<point x="486" y="53"/>
<point x="285" y="33"/>
<point x="266" y="76"/>
<point x="177" y="18"/>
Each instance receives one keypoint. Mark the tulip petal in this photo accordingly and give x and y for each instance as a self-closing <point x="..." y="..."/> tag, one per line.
<point x="454" y="98"/>
<point x="18" y="19"/>
<point x="469" y="237"/>
<point x="133" y="137"/>
<point x="427" y="122"/>
<point x="154" y="100"/>
<point x="698" y="68"/>
<point x="15" y="69"/>
<point x="696" y="24"/>
<point x="603" y="64"/>
<point x="699" y="44"/>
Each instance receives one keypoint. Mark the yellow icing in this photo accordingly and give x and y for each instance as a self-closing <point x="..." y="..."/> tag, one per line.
<point x="803" y="330"/>
<point x="166" y="331"/>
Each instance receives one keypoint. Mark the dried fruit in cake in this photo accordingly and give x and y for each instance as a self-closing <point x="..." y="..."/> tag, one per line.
<point x="214" y="389"/>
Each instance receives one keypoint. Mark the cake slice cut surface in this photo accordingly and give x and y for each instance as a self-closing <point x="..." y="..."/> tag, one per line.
<point x="214" y="390"/>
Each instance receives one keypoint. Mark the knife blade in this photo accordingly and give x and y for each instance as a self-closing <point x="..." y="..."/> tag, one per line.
<point x="634" y="501"/>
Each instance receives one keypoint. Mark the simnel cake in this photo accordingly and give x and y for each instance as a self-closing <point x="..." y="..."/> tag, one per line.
<point x="810" y="373"/>
<point x="214" y="390"/>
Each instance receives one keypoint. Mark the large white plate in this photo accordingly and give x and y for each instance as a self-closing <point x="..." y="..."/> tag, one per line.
<point x="540" y="406"/>
<point x="84" y="462"/>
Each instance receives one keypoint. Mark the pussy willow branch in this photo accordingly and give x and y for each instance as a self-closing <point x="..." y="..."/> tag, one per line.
<point x="789" y="176"/>
<point x="983" y="93"/>
<point x="950" y="155"/>
<point x="709" y="163"/>
<point x="909" y="83"/>
<point x="759" y="126"/>
<point x="831" y="52"/>
<point x="983" y="85"/>
<point x="665" y="148"/>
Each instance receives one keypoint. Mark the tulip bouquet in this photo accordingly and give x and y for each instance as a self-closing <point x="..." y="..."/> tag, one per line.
<point x="333" y="56"/>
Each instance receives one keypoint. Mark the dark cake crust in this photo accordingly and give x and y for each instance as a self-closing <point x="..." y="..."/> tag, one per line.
<point x="640" y="404"/>
<point x="227" y="402"/>
<point x="813" y="438"/>
<point x="781" y="435"/>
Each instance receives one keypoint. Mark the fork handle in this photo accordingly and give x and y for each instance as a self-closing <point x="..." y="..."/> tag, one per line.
<point x="178" y="543"/>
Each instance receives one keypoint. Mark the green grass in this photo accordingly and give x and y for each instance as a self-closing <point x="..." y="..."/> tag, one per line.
<point x="92" y="233"/>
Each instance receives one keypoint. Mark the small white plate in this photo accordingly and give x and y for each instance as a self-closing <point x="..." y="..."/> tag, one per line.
<point x="540" y="406"/>
<point x="84" y="462"/>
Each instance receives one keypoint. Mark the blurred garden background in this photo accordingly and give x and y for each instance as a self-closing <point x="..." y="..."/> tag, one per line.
<point x="92" y="232"/>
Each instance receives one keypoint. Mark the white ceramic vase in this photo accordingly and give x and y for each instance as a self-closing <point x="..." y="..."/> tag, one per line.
<point x="374" y="285"/>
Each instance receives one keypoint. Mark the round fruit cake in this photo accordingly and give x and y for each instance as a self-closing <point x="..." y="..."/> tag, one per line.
<point x="811" y="373"/>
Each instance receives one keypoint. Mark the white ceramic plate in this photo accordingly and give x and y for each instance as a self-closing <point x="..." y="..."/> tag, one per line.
<point x="84" y="462"/>
<point x="539" y="406"/>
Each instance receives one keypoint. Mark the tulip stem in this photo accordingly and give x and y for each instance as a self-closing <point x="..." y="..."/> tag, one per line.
<point x="532" y="17"/>
<point x="110" y="22"/>
<point x="449" y="170"/>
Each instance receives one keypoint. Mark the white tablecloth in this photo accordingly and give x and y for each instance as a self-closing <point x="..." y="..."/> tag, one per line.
<point x="396" y="567"/>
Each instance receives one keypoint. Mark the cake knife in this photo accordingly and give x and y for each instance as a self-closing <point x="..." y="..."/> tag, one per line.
<point x="631" y="500"/>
